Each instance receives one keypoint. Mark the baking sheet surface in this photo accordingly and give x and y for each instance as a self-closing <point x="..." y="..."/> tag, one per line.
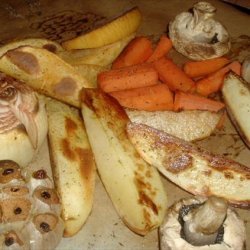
<point x="61" y="20"/>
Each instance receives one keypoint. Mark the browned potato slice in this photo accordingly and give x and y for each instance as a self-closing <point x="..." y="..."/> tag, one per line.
<point x="236" y="94"/>
<point x="72" y="164"/>
<point x="134" y="187"/>
<point x="34" y="42"/>
<point x="101" y="56"/>
<point x="45" y="72"/>
<point x="188" y="125"/>
<point x="193" y="169"/>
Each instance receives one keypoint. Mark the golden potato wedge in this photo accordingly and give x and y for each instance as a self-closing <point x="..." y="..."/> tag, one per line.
<point x="189" y="125"/>
<point x="193" y="169"/>
<point x="34" y="42"/>
<point x="45" y="72"/>
<point x="111" y="32"/>
<point x="236" y="94"/>
<point x="72" y="164"/>
<point x="134" y="187"/>
<point x="102" y="56"/>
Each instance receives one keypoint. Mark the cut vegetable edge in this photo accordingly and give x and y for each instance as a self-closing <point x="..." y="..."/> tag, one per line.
<point x="108" y="33"/>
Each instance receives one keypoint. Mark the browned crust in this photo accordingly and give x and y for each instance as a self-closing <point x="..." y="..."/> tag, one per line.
<point x="179" y="147"/>
<point x="237" y="126"/>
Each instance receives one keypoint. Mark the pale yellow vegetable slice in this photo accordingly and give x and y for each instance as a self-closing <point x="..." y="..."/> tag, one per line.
<point x="101" y="56"/>
<point x="236" y="94"/>
<point x="189" y="125"/>
<point x="72" y="164"/>
<point x="34" y="42"/>
<point x="134" y="187"/>
<point x="191" y="168"/>
<point x="45" y="72"/>
<point x="111" y="32"/>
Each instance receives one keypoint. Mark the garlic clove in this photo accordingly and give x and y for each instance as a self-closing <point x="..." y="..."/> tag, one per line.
<point x="46" y="195"/>
<point x="9" y="170"/>
<point x="15" y="209"/>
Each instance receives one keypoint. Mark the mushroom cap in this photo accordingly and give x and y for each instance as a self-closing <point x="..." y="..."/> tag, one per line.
<point x="197" y="35"/>
<point x="234" y="236"/>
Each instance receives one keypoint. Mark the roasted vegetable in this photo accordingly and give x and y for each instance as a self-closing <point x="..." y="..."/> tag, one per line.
<point x="236" y="94"/>
<point x="30" y="208"/>
<point x="198" y="35"/>
<point x="193" y="169"/>
<point x="111" y="32"/>
<point x="134" y="187"/>
<point x="33" y="42"/>
<point x="197" y="223"/>
<point x="188" y="125"/>
<point x="72" y="164"/>
<point x="23" y="121"/>
<point x="44" y="72"/>
<point x="102" y="56"/>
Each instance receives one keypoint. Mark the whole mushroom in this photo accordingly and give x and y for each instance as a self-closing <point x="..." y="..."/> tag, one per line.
<point x="197" y="223"/>
<point x="197" y="35"/>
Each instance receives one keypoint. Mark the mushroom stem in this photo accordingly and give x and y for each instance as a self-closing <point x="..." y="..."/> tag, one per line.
<point x="201" y="224"/>
<point x="202" y="11"/>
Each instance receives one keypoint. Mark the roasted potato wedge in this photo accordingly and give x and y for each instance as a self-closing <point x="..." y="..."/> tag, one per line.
<point x="111" y="32"/>
<point x="134" y="187"/>
<point x="102" y="56"/>
<point x="191" y="125"/>
<point x="236" y="94"/>
<point x="72" y="164"/>
<point x="193" y="169"/>
<point x="33" y="42"/>
<point x="45" y="72"/>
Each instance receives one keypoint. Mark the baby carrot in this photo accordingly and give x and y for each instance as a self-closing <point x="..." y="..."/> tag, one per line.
<point x="173" y="76"/>
<point x="137" y="51"/>
<point x="152" y="98"/>
<point x="213" y="82"/>
<point x="135" y="76"/>
<point x="162" y="48"/>
<point x="187" y="101"/>
<point x="203" y="68"/>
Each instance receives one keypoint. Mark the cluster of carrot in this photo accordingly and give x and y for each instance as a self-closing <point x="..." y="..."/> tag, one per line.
<point x="144" y="78"/>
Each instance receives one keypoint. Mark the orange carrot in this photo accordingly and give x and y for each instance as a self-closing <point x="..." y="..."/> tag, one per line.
<point x="162" y="48"/>
<point x="173" y="76"/>
<point x="135" y="76"/>
<point x="187" y="101"/>
<point x="203" y="68"/>
<point x="137" y="51"/>
<point x="214" y="81"/>
<point x="152" y="98"/>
